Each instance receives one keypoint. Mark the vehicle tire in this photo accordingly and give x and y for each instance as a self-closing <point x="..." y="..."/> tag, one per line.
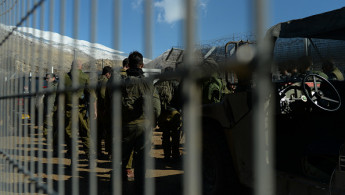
<point x="218" y="172"/>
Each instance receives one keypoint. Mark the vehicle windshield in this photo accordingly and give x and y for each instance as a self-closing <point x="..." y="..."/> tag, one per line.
<point x="290" y="55"/>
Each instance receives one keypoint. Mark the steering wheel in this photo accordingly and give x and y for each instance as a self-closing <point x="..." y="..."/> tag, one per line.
<point x="328" y="100"/>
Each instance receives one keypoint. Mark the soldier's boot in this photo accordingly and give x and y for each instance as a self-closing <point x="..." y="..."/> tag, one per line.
<point x="175" y="145"/>
<point x="166" y="145"/>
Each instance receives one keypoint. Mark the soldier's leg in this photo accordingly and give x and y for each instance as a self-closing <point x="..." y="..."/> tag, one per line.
<point x="68" y="131"/>
<point x="100" y="137"/>
<point x="128" y="142"/>
<point x="166" y="142"/>
<point x="175" y="143"/>
<point x="108" y="141"/>
<point x="84" y="131"/>
<point x="176" y="124"/>
<point x="139" y="158"/>
<point x="130" y="161"/>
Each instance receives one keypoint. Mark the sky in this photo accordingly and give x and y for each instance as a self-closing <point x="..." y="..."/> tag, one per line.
<point x="215" y="19"/>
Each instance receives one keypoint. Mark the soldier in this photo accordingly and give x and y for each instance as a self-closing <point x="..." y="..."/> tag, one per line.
<point x="49" y="101"/>
<point x="134" y="89"/>
<point x="170" y="120"/>
<point x="332" y="71"/>
<point x="102" y="81"/>
<point x="83" y="80"/>
<point x="211" y="85"/>
<point x="123" y="71"/>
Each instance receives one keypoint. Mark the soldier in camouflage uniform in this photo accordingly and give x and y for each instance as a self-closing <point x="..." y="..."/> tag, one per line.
<point x="170" y="120"/>
<point x="84" y="81"/>
<point x="123" y="71"/>
<point x="332" y="72"/>
<point x="102" y="81"/>
<point x="48" y="102"/>
<point x="134" y="89"/>
<point x="212" y="86"/>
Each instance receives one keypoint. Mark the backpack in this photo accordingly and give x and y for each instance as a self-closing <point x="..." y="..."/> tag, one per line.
<point x="133" y="92"/>
<point x="165" y="91"/>
<point x="212" y="90"/>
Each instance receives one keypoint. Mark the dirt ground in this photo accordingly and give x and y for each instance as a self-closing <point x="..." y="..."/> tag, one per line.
<point x="167" y="176"/>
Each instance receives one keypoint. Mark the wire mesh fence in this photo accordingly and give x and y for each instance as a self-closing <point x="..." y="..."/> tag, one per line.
<point x="49" y="130"/>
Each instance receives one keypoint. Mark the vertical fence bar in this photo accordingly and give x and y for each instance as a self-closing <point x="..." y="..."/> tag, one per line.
<point x="32" y="108"/>
<point x="75" y="105"/>
<point x="11" y="103"/>
<point x="263" y="123"/>
<point x="26" y="106"/>
<point x="10" y="131"/>
<point x="20" y="123"/>
<point x="149" y="162"/>
<point x="191" y="121"/>
<point x="61" y="104"/>
<point x="17" y="131"/>
<point x="49" y="119"/>
<point x="3" y="114"/>
<point x="148" y="41"/>
<point x="2" y="134"/>
<point x="39" y="104"/>
<point x="3" y="117"/>
<point x="116" y="110"/>
<point x="93" y="82"/>
<point x="4" y="123"/>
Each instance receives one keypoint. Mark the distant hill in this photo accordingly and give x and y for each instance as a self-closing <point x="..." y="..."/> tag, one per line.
<point x="32" y="50"/>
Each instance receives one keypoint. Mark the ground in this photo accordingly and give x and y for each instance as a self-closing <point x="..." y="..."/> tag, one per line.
<point x="167" y="176"/>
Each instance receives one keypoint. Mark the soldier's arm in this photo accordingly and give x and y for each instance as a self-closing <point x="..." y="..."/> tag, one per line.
<point x="93" y="96"/>
<point x="156" y="103"/>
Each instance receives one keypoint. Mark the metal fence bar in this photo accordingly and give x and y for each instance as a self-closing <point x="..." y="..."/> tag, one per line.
<point x="61" y="103"/>
<point x="3" y="118"/>
<point x="191" y="121"/>
<point x="148" y="42"/>
<point x="24" y="147"/>
<point x="263" y="132"/>
<point x="20" y="140"/>
<point x="116" y="181"/>
<point x="74" y="118"/>
<point x="48" y="116"/>
<point x="39" y="106"/>
<point x="26" y="109"/>
<point x="93" y="122"/>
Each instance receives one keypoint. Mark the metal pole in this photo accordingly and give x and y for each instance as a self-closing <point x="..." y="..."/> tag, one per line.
<point x="263" y="123"/>
<point x="93" y="127"/>
<point x="75" y="107"/>
<point x="116" y="110"/>
<point x="191" y="121"/>
<point x="61" y="104"/>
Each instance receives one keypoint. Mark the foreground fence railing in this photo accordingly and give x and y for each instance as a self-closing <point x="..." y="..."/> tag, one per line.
<point x="28" y="164"/>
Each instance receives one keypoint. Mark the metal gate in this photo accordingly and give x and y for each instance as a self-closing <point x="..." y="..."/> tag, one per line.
<point x="27" y="162"/>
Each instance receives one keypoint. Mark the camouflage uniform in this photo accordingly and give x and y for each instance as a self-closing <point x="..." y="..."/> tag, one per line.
<point x="336" y="75"/>
<point x="84" y="130"/>
<point x="123" y="73"/>
<point x="170" y="120"/>
<point x="212" y="86"/>
<point x="133" y="120"/>
<point x="102" y="81"/>
<point x="49" y="108"/>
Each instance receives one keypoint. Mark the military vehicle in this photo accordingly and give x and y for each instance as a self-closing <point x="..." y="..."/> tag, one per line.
<point x="308" y="118"/>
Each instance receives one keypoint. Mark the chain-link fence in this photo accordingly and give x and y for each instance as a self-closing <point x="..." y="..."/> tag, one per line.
<point x="51" y="148"/>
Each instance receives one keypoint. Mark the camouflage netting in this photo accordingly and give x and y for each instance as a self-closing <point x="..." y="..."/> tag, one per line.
<point x="100" y="63"/>
<point x="174" y="55"/>
<point x="291" y="49"/>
